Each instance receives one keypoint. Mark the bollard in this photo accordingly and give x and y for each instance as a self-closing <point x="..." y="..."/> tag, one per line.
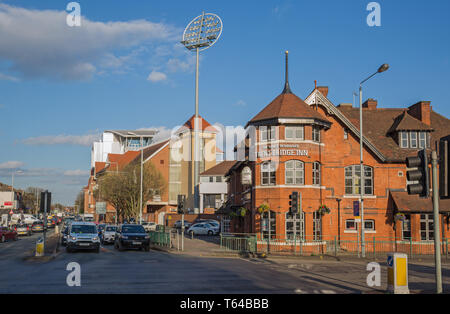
<point x="40" y="247"/>
<point x="397" y="273"/>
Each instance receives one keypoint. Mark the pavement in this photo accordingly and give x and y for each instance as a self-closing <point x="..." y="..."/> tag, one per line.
<point x="174" y="272"/>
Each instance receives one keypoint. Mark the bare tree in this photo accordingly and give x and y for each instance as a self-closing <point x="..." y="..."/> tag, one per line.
<point x="122" y="189"/>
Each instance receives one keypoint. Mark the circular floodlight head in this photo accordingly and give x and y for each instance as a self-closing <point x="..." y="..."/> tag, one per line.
<point x="202" y="32"/>
<point x="383" y="68"/>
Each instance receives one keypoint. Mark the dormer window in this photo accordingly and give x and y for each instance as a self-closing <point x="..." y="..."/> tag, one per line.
<point x="413" y="139"/>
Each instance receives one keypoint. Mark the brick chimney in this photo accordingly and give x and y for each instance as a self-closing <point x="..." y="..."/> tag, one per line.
<point x="421" y="111"/>
<point x="370" y="104"/>
<point x="323" y="90"/>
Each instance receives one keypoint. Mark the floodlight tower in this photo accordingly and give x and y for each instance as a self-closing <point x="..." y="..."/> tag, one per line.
<point x="200" y="34"/>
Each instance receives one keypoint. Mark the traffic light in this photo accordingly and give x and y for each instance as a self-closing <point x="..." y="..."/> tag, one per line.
<point x="444" y="172"/>
<point x="46" y="201"/>
<point x="293" y="203"/>
<point x="181" y="204"/>
<point x="422" y="174"/>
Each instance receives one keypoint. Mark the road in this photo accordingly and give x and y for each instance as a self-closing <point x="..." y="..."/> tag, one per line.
<point x="153" y="272"/>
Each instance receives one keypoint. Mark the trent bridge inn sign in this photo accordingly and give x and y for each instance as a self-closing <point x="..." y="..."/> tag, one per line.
<point x="282" y="150"/>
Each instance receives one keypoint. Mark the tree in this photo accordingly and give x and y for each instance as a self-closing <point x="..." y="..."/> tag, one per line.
<point x="30" y="199"/>
<point x="79" y="202"/>
<point x="122" y="189"/>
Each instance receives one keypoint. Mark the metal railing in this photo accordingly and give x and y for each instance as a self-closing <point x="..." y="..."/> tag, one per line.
<point x="329" y="245"/>
<point x="239" y="243"/>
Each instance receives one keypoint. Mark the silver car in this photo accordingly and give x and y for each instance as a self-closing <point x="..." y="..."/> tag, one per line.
<point x="23" y="229"/>
<point x="83" y="236"/>
<point x="108" y="234"/>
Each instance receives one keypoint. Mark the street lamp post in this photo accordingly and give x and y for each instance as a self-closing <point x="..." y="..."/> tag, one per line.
<point x="200" y="34"/>
<point x="381" y="69"/>
<point x="142" y="174"/>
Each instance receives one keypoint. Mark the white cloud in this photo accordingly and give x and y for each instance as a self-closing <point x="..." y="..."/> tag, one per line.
<point x="11" y="165"/>
<point x="179" y="65"/>
<point x="82" y="140"/>
<point x="76" y="173"/>
<point x="5" y="77"/>
<point x="157" y="77"/>
<point x="240" y="103"/>
<point x="38" y="43"/>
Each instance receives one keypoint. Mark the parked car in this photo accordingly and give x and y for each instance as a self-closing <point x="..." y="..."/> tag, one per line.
<point x="149" y="226"/>
<point x="83" y="236"/>
<point x="64" y="236"/>
<point x="7" y="234"/>
<point x="177" y="224"/>
<point x="23" y="229"/>
<point x="131" y="236"/>
<point x="37" y="226"/>
<point x="202" y="228"/>
<point x="108" y="234"/>
<point x="216" y="226"/>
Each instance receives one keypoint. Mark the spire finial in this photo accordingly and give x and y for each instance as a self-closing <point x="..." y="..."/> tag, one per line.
<point x="287" y="89"/>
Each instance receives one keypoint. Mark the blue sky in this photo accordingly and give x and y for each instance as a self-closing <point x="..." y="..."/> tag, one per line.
<point x="61" y="86"/>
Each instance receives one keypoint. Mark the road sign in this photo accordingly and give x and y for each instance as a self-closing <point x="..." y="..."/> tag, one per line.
<point x="100" y="208"/>
<point x="390" y="260"/>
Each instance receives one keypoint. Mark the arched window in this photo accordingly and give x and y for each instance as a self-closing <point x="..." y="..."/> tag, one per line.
<point x="353" y="180"/>
<point x="316" y="173"/>
<point x="295" y="172"/>
<point x="268" y="173"/>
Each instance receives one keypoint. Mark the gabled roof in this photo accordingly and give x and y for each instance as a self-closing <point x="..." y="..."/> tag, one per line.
<point x="99" y="166"/>
<point x="151" y="150"/>
<point x="377" y="125"/>
<point x="220" y="169"/>
<point x="288" y="106"/>
<point x="406" y="122"/>
<point x="205" y="125"/>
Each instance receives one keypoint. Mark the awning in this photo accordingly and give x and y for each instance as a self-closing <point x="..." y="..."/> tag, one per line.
<point x="406" y="203"/>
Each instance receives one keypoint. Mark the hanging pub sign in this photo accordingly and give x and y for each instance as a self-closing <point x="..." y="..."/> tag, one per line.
<point x="246" y="176"/>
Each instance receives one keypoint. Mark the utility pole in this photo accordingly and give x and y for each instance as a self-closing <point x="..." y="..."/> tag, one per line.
<point x="436" y="222"/>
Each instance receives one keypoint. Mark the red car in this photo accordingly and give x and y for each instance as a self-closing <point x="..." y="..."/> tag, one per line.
<point x="7" y="234"/>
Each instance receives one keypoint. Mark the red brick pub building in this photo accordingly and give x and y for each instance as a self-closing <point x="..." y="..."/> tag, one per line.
<point x="312" y="146"/>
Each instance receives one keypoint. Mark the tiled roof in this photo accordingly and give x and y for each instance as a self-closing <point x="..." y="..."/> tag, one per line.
<point x="287" y="105"/>
<point x="220" y="169"/>
<point x="99" y="166"/>
<point x="379" y="123"/>
<point x="406" y="203"/>
<point x="149" y="151"/>
<point x="406" y="122"/>
<point x="189" y="124"/>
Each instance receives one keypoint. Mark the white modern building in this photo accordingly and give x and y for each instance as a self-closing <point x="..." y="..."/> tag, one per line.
<point x="213" y="188"/>
<point x="119" y="142"/>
